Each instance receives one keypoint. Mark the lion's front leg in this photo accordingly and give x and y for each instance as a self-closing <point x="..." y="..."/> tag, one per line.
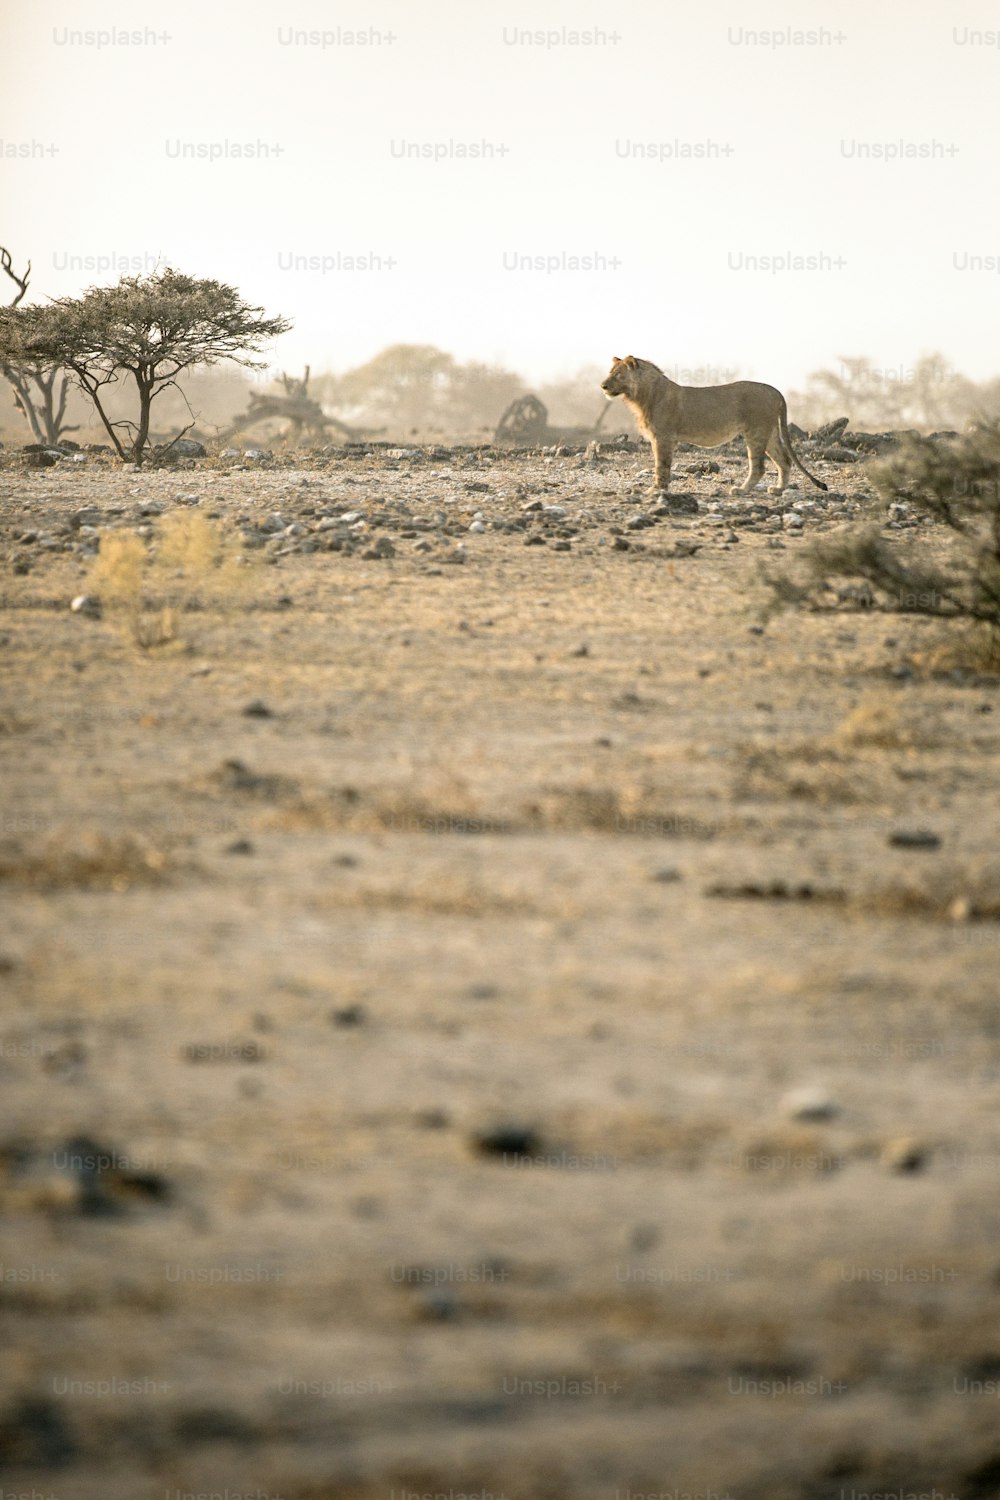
<point x="662" y="460"/>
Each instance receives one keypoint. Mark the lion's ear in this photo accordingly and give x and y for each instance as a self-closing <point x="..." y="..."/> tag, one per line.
<point x="615" y="360"/>
<point x="631" y="360"/>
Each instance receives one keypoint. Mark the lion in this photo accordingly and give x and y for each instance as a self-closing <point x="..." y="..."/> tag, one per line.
<point x="707" y="415"/>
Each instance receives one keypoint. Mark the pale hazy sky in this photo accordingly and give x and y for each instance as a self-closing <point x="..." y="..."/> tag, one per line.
<point x="766" y="151"/>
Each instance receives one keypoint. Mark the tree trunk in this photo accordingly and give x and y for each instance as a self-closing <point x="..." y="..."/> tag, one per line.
<point x="145" y="387"/>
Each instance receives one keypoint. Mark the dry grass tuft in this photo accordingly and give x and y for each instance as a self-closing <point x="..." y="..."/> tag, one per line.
<point x="194" y="564"/>
<point x="89" y="861"/>
<point x="881" y="724"/>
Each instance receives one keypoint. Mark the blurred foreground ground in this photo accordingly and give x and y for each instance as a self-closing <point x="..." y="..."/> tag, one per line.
<point x="399" y="1079"/>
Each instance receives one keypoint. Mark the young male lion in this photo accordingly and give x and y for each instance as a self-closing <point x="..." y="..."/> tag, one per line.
<point x="706" y="415"/>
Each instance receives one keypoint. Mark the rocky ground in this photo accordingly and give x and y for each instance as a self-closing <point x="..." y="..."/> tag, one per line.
<point x="488" y="1009"/>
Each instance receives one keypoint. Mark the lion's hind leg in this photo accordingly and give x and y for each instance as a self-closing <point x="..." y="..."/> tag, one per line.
<point x="777" y="452"/>
<point x="755" y="469"/>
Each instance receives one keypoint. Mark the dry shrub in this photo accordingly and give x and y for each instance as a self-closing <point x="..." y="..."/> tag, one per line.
<point x="881" y="724"/>
<point x="207" y="559"/>
<point x="956" y="483"/>
<point x="194" y="565"/>
<point x="88" y="861"/>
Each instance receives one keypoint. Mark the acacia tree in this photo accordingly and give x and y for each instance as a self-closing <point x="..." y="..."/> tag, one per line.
<point x="146" y="329"/>
<point x="40" y="389"/>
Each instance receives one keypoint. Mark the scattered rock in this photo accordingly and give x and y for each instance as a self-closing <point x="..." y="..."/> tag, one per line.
<point x="240" y="846"/>
<point x="809" y="1104"/>
<point x="666" y="875"/>
<point x="482" y="992"/>
<point x="258" y="709"/>
<point x="681" y="504"/>
<point x="80" y="1175"/>
<point x="380" y="550"/>
<point x="508" y="1140"/>
<point x="438" y="1305"/>
<point x="349" y="1015"/>
<point x="86" y="604"/>
<point x="905" y="1155"/>
<point x="914" y="838"/>
<point x="831" y="432"/>
<point x="181" y="448"/>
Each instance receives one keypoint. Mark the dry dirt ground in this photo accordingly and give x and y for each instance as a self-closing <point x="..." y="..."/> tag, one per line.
<point x="471" y="1025"/>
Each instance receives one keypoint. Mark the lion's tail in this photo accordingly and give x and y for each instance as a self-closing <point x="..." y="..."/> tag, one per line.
<point x="783" y="434"/>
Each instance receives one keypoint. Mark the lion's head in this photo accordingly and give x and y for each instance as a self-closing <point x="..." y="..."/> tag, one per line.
<point x="628" y="376"/>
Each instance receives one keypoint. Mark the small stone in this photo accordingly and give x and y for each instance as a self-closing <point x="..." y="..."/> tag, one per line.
<point x="507" y="1140"/>
<point x="433" y="1119"/>
<point x="349" y="1015"/>
<point x="152" y="508"/>
<point x="87" y="515"/>
<point x="561" y="547"/>
<point x="258" y="709"/>
<point x="792" y="520"/>
<point x="905" y="1155"/>
<point x="535" y="541"/>
<point x="482" y="992"/>
<point x="240" y="846"/>
<point x="86" y="604"/>
<point x="809" y="1104"/>
<point x="681" y="504"/>
<point x="914" y="838"/>
<point x="273" y="523"/>
<point x="439" y="1306"/>
<point x="620" y="544"/>
<point x="477" y="527"/>
<point x="582" y="650"/>
<point x="667" y="875"/>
